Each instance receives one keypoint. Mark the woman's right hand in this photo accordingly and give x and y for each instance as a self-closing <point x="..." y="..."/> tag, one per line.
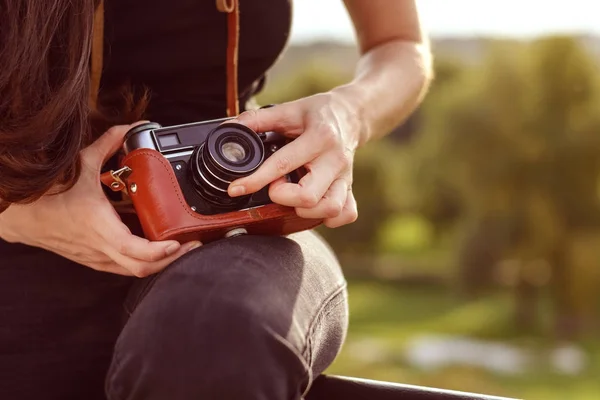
<point x="82" y="225"/>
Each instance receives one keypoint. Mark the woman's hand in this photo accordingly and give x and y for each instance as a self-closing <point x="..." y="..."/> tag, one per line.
<point x="327" y="134"/>
<point x="392" y="77"/>
<point x="83" y="226"/>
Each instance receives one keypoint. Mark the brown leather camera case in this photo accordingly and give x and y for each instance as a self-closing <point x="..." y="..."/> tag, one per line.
<point x="164" y="214"/>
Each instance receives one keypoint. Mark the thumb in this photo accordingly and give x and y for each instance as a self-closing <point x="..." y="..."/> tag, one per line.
<point x="284" y="119"/>
<point x="109" y="143"/>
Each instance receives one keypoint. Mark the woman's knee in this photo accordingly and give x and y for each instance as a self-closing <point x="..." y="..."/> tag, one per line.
<point x="231" y="285"/>
<point x="222" y="314"/>
<point x="229" y="355"/>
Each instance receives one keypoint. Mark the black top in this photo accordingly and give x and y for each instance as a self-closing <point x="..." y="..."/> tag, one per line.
<point x="177" y="49"/>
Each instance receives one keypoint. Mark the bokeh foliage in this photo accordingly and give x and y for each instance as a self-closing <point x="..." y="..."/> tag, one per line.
<point x="498" y="190"/>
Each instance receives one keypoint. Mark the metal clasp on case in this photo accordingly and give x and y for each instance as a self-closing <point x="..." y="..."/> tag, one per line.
<point x="118" y="177"/>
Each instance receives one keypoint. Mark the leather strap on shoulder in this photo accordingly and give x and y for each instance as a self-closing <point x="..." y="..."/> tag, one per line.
<point x="97" y="54"/>
<point x="231" y="7"/>
<point x="226" y="5"/>
<point x="233" y="37"/>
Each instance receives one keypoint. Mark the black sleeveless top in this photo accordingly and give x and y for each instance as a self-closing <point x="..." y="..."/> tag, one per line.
<point x="177" y="49"/>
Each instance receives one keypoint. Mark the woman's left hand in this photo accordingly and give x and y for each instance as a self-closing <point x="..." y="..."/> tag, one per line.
<point x="327" y="132"/>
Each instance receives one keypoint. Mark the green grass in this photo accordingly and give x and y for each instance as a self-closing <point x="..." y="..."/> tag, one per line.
<point x="384" y="319"/>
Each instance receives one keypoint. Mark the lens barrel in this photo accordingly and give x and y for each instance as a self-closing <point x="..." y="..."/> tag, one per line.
<point x="231" y="151"/>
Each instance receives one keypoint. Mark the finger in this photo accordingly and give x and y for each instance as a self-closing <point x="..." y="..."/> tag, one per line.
<point x="285" y="119"/>
<point x="348" y="215"/>
<point x="311" y="188"/>
<point x="142" y="268"/>
<point x="108" y="144"/>
<point x="332" y="203"/>
<point x="115" y="237"/>
<point x="278" y="182"/>
<point x="287" y="159"/>
<point x="119" y="239"/>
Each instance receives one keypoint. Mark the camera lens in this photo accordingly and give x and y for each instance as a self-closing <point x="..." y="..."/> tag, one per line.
<point x="231" y="151"/>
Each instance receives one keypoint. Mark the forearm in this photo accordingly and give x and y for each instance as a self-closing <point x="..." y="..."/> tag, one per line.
<point x="391" y="80"/>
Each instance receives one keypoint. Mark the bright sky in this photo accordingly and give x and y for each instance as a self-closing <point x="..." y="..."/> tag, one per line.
<point x="315" y="19"/>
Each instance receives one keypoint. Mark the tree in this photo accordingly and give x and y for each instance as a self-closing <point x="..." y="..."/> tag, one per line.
<point x="513" y="141"/>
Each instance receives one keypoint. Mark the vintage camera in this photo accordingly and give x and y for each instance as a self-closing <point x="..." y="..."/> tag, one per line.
<point x="207" y="156"/>
<point x="177" y="178"/>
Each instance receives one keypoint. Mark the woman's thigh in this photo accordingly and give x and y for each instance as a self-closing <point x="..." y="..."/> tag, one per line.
<point x="232" y="313"/>
<point x="58" y="325"/>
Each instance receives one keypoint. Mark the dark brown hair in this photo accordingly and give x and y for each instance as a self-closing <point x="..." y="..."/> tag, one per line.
<point x="44" y="89"/>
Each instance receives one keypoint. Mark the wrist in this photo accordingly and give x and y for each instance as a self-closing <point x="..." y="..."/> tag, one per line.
<point x="352" y="100"/>
<point x="390" y="83"/>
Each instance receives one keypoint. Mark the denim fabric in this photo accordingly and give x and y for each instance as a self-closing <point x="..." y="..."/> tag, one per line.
<point x="242" y="318"/>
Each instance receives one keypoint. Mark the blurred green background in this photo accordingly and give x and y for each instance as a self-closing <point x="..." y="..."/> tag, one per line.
<point x="475" y="262"/>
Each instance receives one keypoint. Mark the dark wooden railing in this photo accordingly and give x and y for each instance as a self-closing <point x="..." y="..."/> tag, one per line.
<point x="347" y="388"/>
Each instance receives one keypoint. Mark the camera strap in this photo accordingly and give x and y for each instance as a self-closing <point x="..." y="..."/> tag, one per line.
<point x="97" y="55"/>
<point x="231" y="7"/>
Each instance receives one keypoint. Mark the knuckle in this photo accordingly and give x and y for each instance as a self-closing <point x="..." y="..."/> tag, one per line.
<point x="352" y="215"/>
<point x="114" y="130"/>
<point x="307" y="199"/>
<point x="302" y="212"/>
<point x="155" y="256"/>
<point x="282" y="164"/>
<point x="141" y="270"/>
<point x="349" y="216"/>
<point x="123" y="247"/>
<point x="332" y="208"/>
<point x="343" y="159"/>
<point x="248" y="115"/>
<point x="332" y="223"/>
<point x="329" y="224"/>
<point x="328" y="135"/>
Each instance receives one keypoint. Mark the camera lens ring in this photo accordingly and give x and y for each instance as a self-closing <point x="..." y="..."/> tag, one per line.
<point x="241" y="135"/>
<point x="201" y="177"/>
<point x="212" y="171"/>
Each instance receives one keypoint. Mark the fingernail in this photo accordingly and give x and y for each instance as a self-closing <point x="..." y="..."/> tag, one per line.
<point x="237" y="191"/>
<point x="192" y="245"/>
<point x="172" y="248"/>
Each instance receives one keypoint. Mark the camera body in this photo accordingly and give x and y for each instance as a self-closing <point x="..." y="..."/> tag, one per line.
<point x="207" y="156"/>
<point x="177" y="179"/>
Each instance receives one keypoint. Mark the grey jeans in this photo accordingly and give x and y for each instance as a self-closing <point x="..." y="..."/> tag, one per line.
<point x="243" y="318"/>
